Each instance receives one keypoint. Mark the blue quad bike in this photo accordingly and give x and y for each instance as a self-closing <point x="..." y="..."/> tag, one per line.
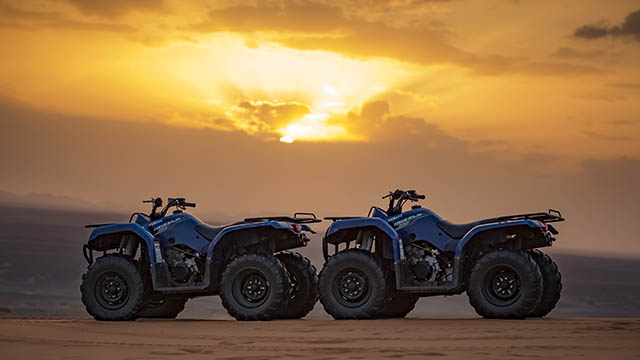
<point x="153" y="264"/>
<point x="381" y="264"/>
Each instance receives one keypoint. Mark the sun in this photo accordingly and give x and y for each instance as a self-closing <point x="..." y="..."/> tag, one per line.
<point x="286" y="139"/>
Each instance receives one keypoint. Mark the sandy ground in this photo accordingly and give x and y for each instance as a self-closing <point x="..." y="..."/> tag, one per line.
<point x="320" y="339"/>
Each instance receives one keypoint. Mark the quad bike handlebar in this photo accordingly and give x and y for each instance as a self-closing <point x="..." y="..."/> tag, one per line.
<point x="399" y="197"/>
<point x="179" y="203"/>
<point x="402" y="194"/>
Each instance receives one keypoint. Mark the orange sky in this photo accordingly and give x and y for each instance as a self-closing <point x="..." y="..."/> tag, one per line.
<point x="503" y="75"/>
<point x="491" y="106"/>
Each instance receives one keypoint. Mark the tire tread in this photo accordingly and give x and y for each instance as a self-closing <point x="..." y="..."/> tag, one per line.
<point x="532" y="295"/>
<point x="139" y="286"/>
<point x="326" y="292"/>
<point x="300" y="309"/>
<point x="551" y="282"/>
<point x="281" y="299"/>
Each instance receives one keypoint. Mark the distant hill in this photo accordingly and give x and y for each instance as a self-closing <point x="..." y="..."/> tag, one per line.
<point x="41" y="265"/>
<point x="50" y="201"/>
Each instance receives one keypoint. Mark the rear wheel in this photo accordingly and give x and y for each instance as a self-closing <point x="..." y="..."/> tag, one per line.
<point x="254" y="287"/>
<point x="113" y="288"/>
<point x="505" y="284"/>
<point x="304" y="285"/>
<point x="400" y="305"/>
<point x="551" y="284"/>
<point x="353" y="286"/>
<point x="163" y="307"/>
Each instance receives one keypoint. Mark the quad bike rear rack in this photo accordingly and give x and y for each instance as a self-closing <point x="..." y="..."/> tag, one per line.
<point x="545" y="217"/>
<point x="336" y="218"/>
<point x="307" y="219"/>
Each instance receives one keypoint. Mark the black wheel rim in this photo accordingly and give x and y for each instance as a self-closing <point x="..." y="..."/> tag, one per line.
<point x="351" y="287"/>
<point x="294" y="286"/>
<point x="112" y="291"/>
<point x="502" y="285"/>
<point x="251" y="288"/>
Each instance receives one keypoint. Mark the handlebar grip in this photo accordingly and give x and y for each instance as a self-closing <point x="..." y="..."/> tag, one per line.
<point x="420" y="197"/>
<point x="188" y="204"/>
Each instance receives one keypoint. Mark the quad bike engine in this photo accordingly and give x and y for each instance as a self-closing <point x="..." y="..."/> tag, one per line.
<point x="183" y="264"/>
<point x="423" y="261"/>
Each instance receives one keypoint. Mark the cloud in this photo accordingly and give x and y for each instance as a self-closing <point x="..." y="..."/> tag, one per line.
<point x="315" y="26"/>
<point x="626" y="85"/>
<point x="263" y="116"/>
<point x="14" y="17"/>
<point x="376" y="122"/>
<point x="630" y="27"/>
<point x="571" y="53"/>
<point x="620" y="122"/>
<point x="605" y="137"/>
<point x="329" y="27"/>
<point x="115" y="8"/>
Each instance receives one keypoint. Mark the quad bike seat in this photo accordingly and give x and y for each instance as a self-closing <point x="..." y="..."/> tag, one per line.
<point x="457" y="231"/>
<point x="207" y="231"/>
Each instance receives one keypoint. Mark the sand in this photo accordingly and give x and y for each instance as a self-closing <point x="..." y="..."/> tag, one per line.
<point x="320" y="339"/>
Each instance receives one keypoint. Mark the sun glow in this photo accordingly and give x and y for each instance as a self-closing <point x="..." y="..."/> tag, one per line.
<point x="220" y="73"/>
<point x="313" y="127"/>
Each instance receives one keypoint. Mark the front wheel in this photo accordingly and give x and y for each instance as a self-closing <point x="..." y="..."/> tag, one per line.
<point x="353" y="285"/>
<point x="254" y="287"/>
<point x="113" y="288"/>
<point x="505" y="284"/>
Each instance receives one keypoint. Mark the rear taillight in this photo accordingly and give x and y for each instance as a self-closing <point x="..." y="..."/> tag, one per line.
<point x="296" y="227"/>
<point x="544" y="229"/>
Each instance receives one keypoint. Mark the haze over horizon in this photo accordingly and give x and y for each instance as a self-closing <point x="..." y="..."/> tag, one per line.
<point x="488" y="107"/>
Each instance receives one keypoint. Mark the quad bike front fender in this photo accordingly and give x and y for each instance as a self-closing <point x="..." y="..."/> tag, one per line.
<point x="338" y="232"/>
<point x="109" y="237"/>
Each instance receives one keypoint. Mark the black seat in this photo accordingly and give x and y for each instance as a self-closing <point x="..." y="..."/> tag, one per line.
<point x="457" y="231"/>
<point x="207" y="231"/>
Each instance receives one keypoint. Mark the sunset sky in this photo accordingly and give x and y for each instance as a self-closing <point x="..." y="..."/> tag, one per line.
<point x="487" y="106"/>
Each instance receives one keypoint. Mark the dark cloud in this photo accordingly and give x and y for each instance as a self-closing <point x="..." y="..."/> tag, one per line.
<point x="265" y="117"/>
<point x="620" y="122"/>
<point x="605" y="137"/>
<point x="626" y="85"/>
<point x="14" y="17"/>
<point x="604" y="96"/>
<point x="592" y="31"/>
<point x="571" y="53"/>
<point x="377" y="122"/>
<point x="499" y="64"/>
<point x="115" y="8"/>
<point x="629" y="27"/>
